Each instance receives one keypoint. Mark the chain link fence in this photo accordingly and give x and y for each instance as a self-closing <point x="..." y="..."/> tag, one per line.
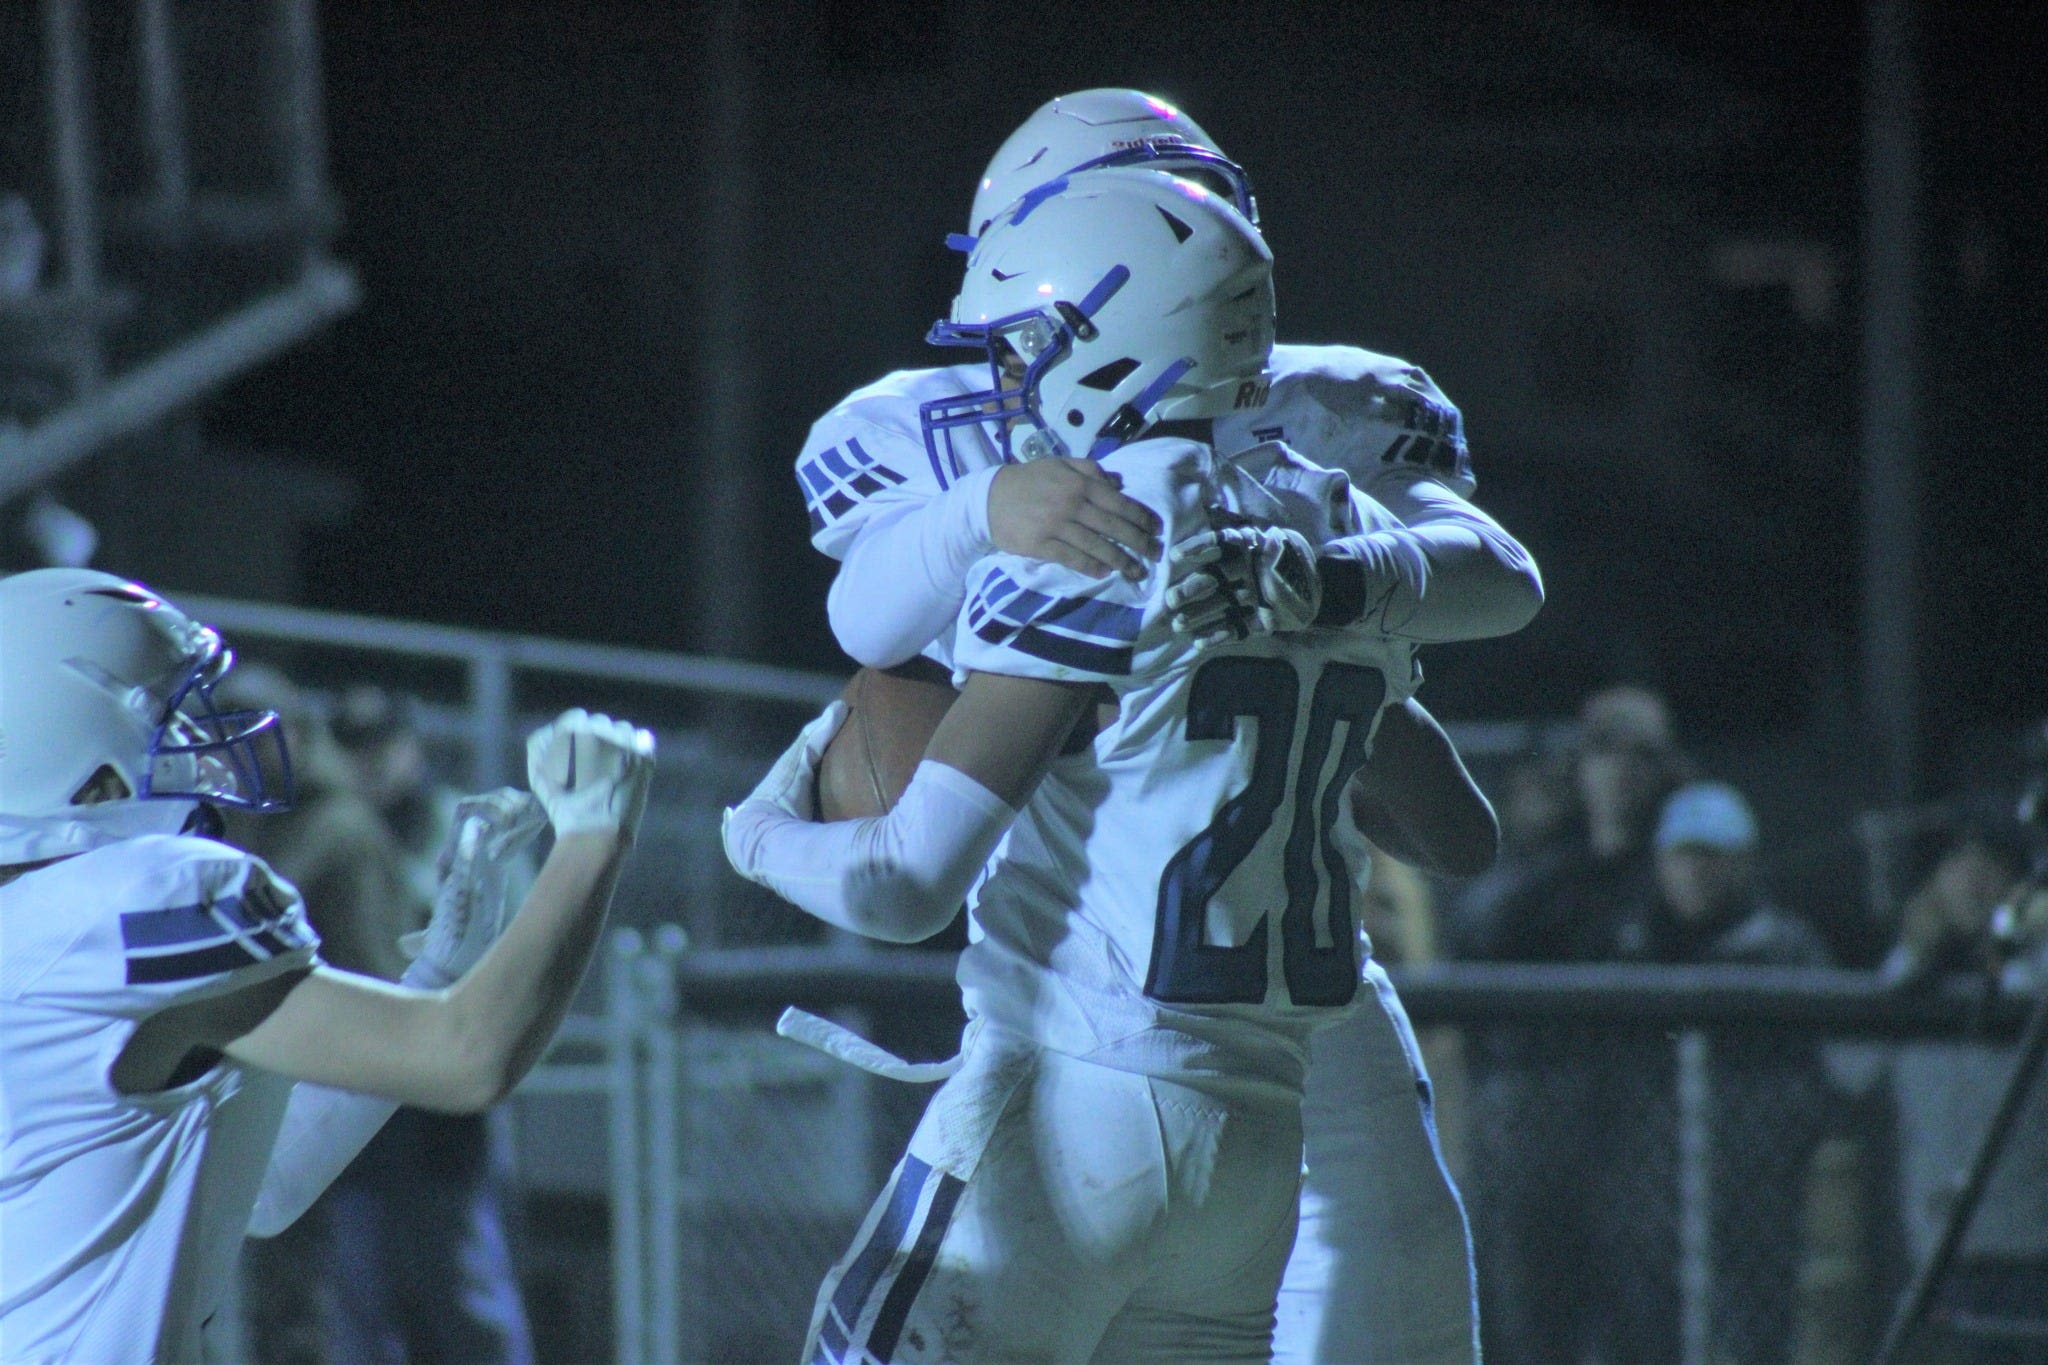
<point x="1661" y="1164"/>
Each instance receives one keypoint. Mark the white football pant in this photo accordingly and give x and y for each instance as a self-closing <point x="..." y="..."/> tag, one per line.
<point x="1103" y="1216"/>
<point x="1382" y="1269"/>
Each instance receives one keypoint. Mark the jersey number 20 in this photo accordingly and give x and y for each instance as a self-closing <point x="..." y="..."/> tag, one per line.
<point x="1185" y="970"/>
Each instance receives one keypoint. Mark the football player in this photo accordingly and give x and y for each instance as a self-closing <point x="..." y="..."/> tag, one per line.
<point x="908" y="488"/>
<point x="1171" y="916"/>
<point x="160" y="992"/>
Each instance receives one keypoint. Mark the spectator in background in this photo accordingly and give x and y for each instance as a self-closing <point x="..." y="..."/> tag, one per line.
<point x="1768" y="1090"/>
<point x="1559" y="1274"/>
<point x="333" y="846"/>
<point x="1946" y="1093"/>
<point x="379" y="735"/>
<point x="418" y="1217"/>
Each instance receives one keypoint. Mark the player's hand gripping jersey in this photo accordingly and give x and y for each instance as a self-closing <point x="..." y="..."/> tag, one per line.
<point x="1171" y="900"/>
<point x="909" y="519"/>
<point x="93" y="946"/>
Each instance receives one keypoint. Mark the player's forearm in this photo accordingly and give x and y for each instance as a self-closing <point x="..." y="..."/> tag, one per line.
<point x="500" y="1017"/>
<point x="899" y="877"/>
<point x="458" y="1050"/>
<point x="902" y="583"/>
<point x="1452" y="575"/>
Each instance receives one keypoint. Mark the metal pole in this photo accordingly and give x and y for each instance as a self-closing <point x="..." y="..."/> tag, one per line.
<point x="163" y="106"/>
<point x="72" y="132"/>
<point x="302" y="129"/>
<point x="664" y="1157"/>
<point x="1695" y="1199"/>
<point x="729" y="604"/>
<point x="629" y="1280"/>
<point x="159" y="386"/>
<point x="490" y="707"/>
<point x="1891" y="434"/>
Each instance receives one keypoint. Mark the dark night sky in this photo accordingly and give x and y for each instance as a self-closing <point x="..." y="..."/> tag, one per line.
<point x="523" y="198"/>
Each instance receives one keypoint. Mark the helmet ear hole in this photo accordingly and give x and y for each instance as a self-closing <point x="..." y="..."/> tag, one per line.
<point x="105" y="784"/>
<point x="1074" y="417"/>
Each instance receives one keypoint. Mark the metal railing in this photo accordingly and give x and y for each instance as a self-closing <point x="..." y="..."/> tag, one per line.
<point x="77" y="308"/>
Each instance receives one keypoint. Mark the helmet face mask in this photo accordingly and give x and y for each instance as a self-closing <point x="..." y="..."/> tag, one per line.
<point x="198" y="751"/>
<point x="1126" y="297"/>
<point x="106" y="699"/>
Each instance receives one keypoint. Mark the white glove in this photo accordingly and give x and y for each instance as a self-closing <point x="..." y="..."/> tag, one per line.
<point x="1242" y="581"/>
<point x="788" y="792"/>
<point x="590" y="773"/>
<point x="469" y="910"/>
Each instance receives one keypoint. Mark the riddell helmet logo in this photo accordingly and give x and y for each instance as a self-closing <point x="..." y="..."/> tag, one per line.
<point x="1162" y="140"/>
<point x="1251" y="394"/>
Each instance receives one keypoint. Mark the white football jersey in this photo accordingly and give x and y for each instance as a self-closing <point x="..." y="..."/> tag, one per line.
<point x="121" y="1215"/>
<point x="1171" y="901"/>
<point x="1377" y="418"/>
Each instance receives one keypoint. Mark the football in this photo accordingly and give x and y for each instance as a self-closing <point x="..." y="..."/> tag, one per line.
<point x="891" y="716"/>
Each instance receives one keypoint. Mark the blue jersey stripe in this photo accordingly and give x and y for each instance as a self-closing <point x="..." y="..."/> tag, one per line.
<point x="1108" y="622"/>
<point x="861" y="1276"/>
<point x="902" y="1294"/>
<point x="184" y="923"/>
<point x="225" y="957"/>
<point x="836" y="462"/>
<point x="274" y="938"/>
<point x="1110" y="662"/>
<point x="831" y="1342"/>
<point x="1071" y="653"/>
<point x="815" y="480"/>
<point x="179" y="924"/>
<point x="1093" y="616"/>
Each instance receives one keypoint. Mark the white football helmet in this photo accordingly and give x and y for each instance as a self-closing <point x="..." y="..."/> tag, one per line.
<point x="106" y="698"/>
<point x="1124" y="298"/>
<point x="1100" y="129"/>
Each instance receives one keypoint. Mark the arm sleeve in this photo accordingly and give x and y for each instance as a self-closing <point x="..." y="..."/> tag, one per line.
<point x="897" y="877"/>
<point x="904" y="576"/>
<point x="1449" y="573"/>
